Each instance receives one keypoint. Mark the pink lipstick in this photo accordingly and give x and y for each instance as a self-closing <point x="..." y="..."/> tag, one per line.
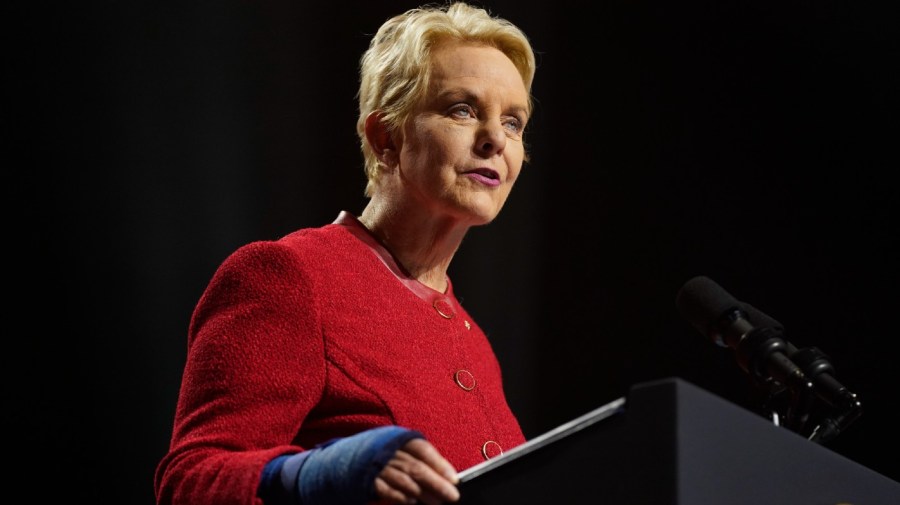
<point x="485" y="176"/>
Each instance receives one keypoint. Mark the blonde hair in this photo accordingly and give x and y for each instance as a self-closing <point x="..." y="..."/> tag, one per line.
<point x="395" y="69"/>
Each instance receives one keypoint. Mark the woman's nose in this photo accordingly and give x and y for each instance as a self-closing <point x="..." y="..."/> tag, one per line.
<point x="491" y="137"/>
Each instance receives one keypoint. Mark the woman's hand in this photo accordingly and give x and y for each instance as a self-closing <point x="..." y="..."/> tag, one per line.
<point x="417" y="473"/>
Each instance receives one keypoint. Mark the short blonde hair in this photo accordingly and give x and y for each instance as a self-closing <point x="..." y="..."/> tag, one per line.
<point x="395" y="69"/>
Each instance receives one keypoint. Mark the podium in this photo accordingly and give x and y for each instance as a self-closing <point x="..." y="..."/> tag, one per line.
<point x="669" y="442"/>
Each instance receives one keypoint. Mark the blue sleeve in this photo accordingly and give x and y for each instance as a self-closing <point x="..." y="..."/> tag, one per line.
<point x="341" y="471"/>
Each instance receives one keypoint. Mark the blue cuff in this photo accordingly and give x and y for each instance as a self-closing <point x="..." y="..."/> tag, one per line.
<point x="341" y="471"/>
<point x="270" y="488"/>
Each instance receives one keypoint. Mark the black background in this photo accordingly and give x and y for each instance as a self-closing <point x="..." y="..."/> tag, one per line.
<point x="751" y="142"/>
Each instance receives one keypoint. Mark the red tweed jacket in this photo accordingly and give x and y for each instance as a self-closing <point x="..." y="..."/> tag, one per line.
<point x="320" y="335"/>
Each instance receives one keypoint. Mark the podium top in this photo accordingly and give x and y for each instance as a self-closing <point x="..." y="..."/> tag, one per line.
<point x="671" y="442"/>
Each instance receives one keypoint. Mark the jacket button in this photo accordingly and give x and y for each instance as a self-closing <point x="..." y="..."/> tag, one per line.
<point x="491" y="449"/>
<point x="464" y="379"/>
<point x="444" y="308"/>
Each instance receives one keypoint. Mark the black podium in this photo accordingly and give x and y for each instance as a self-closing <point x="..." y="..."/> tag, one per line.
<point x="669" y="442"/>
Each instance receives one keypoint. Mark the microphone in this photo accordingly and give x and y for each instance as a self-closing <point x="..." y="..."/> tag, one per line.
<point x="761" y="350"/>
<point x="755" y="338"/>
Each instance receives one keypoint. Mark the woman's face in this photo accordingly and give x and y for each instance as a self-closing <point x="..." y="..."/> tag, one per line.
<point x="462" y="149"/>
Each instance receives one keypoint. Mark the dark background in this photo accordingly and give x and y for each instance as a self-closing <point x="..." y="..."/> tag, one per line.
<point x="753" y="142"/>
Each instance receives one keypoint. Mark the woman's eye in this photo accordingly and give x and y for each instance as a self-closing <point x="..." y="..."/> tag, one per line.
<point x="513" y="124"/>
<point x="462" y="110"/>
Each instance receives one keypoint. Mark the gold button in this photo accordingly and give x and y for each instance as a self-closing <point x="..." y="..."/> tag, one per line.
<point x="443" y="307"/>
<point x="464" y="379"/>
<point x="491" y="449"/>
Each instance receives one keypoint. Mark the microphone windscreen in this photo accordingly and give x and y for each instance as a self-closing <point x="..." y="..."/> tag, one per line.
<point x="760" y="319"/>
<point x="702" y="303"/>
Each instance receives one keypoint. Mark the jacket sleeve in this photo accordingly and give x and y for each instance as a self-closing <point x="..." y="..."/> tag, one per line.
<point x="255" y="367"/>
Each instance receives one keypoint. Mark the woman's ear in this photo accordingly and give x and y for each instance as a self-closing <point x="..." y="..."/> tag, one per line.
<point x="379" y="137"/>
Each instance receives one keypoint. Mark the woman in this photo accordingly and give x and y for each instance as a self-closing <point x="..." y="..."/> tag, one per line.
<point x="336" y="365"/>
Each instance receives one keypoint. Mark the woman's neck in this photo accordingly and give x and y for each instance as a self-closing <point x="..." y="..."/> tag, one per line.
<point x="421" y="243"/>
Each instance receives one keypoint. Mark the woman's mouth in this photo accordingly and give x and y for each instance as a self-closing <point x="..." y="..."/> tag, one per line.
<point x="484" y="176"/>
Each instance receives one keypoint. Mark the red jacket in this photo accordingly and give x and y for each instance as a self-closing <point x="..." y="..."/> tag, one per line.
<point x="320" y="335"/>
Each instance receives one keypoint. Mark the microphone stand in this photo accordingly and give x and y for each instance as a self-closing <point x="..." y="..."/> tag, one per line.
<point x="797" y="379"/>
<point x="845" y="405"/>
<point x="764" y="355"/>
